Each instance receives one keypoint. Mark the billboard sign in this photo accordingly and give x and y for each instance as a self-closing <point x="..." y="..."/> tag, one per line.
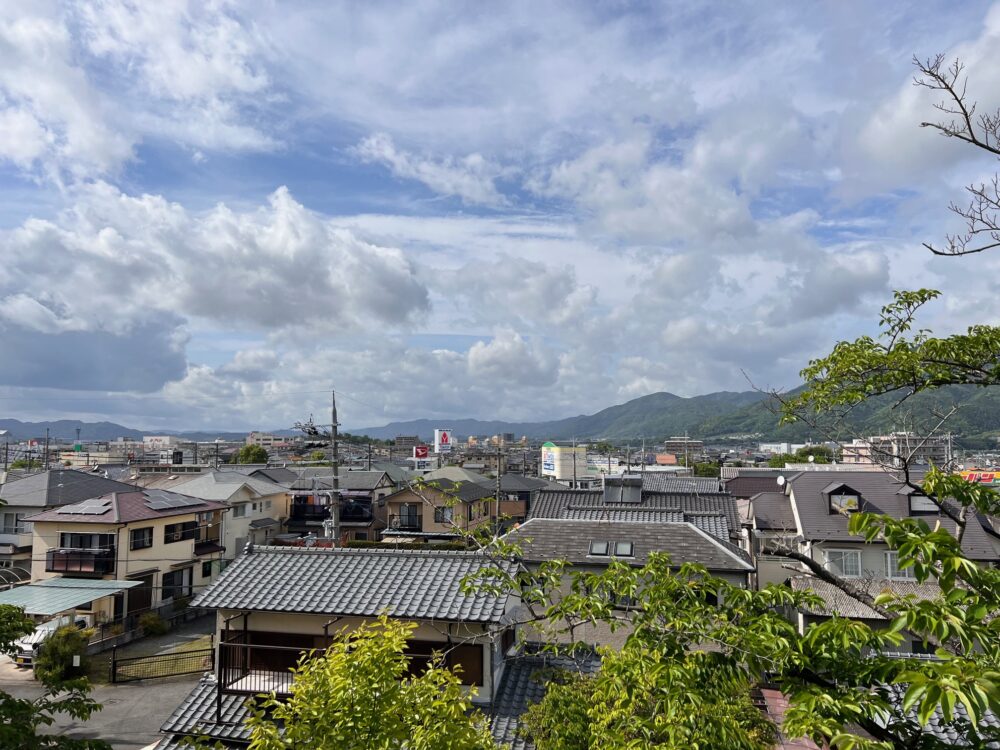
<point x="442" y="441"/>
<point x="549" y="461"/>
<point x="421" y="451"/>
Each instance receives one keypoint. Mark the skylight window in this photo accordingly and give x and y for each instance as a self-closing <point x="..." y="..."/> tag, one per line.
<point x="623" y="549"/>
<point x="601" y="549"/>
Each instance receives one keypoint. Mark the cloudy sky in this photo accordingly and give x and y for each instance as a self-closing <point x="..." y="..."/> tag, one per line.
<point x="211" y="212"/>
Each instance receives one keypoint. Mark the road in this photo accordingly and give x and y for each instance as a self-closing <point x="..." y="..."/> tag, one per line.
<point x="132" y="713"/>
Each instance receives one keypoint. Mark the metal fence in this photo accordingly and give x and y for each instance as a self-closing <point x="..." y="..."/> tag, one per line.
<point x="132" y="668"/>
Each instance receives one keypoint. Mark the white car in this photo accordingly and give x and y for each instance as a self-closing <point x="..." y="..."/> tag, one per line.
<point x="28" y="646"/>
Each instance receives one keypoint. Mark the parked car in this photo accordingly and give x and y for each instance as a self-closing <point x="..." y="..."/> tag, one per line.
<point x="28" y="646"/>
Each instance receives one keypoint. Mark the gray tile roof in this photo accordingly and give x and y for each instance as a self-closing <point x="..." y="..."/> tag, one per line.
<point x="772" y="511"/>
<point x="955" y="733"/>
<point x="716" y="513"/>
<point x="524" y="682"/>
<point x="196" y="715"/>
<point x="58" y="487"/>
<point x="322" y="479"/>
<point x="219" y="485"/>
<point x="560" y="539"/>
<point x="663" y="482"/>
<point x="277" y="474"/>
<point x="412" y="584"/>
<point x="128" y="506"/>
<point x="840" y="603"/>
<point x="880" y="493"/>
<point x="750" y="485"/>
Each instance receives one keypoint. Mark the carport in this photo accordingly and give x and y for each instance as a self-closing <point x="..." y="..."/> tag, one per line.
<point x="54" y="596"/>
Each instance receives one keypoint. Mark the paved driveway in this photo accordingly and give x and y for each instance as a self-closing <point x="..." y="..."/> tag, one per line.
<point x="132" y="713"/>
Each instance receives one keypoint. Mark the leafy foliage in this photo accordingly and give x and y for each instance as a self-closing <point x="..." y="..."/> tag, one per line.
<point x="359" y="694"/>
<point x="55" y="657"/>
<point x="250" y="454"/>
<point x="23" y="720"/>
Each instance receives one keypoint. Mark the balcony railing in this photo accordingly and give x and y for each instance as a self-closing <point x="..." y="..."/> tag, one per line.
<point x="406" y="522"/>
<point x="247" y="669"/>
<point x="80" y="561"/>
<point x="309" y="513"/>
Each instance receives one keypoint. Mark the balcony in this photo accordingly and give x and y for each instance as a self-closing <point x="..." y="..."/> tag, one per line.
<point x="309" y="513"/>
<point x="406" y="522"/>
<point x="246" y="669"/>
<point x="71" y="561"/>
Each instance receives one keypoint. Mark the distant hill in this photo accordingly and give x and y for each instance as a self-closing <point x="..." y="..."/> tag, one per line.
<point x="715" y="416"/>
<point x="728" y="415"/>
<point x="656" y="416"/>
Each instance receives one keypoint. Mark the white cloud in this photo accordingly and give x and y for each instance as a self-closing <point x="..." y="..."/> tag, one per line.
<point x="471" y="178"/>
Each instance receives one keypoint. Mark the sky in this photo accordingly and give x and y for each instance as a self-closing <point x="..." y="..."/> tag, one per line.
<point x="211" y="213"/>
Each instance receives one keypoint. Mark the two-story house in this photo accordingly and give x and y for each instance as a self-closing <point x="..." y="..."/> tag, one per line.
<point x="256" y="506"/>
<point x="33" y="493"/>
<point x="439" y="509"/>
<point x="590" y="546"/>
<point x="168" y="542"/>
<point x="362" y="512"/>
<point x="276" y="603"/>
<point x="811" y="516"/>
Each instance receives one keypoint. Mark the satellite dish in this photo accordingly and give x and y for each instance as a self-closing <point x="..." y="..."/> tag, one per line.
<point x="781" y="481"/>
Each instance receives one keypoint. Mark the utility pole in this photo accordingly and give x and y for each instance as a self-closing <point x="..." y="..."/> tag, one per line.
<point x="46" y="464"/>
<point x="642" y="471"/>
<point x="369" y="456"/>
<point x="496" y="520"/>
<point x="574" y="463"/>
<point x="335" y="510"/>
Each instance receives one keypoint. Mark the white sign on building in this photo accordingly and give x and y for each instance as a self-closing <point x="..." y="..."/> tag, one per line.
<point x="442" y="441"/>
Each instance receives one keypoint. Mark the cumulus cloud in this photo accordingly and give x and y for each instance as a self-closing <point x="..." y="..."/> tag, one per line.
<point x="471" y="178"/>
<point x="512" y="360"/>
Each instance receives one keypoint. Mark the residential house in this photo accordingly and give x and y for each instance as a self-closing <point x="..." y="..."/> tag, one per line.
<point x="168" y="542"/>
<point x="811" y="516"/>
<point x="257" y="506"/>
<point x="624" y="499"/>
<point x="590" y="546"/>
<point x="362" y="513"/>
<point x="440" y="509"/>
<point x="276" y="603"/>
<point x="35" y="492"/>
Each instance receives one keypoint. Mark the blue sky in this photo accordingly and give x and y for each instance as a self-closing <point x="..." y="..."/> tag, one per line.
<point x="211" y="211"/>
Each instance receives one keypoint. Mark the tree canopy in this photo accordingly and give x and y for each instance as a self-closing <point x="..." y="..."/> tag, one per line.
<point x="250" y="454"/>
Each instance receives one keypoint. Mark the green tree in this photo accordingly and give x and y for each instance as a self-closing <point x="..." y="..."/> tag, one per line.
<point x="359" y="694"/>
<point x="706" y="470"/>
<point x="26" y="463"/>
<point x="23" y="720"/>
<point x="55" y="658"/>
<point x="317" y="456"/>
<point x="250" y="454"/>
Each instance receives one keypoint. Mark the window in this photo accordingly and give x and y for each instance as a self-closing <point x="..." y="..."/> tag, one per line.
<point x="361" y="536"/>
<point x="141" y="538"/>
<point x="444" y="515"/>
<point x="599" y="548"/>
<point x="13" y="523"/>
<point x="267" y="505"/>
<point x="177" y="583"/>
<point x="69" y="540"/>
<point x="177" y="532"/>
<point x="844" y="503"/>
<point x="623" y="549"/>
<point x="845" y="562"/>
<point x="206" y="569"/>
<point x="892" y="569"/>
<point x="239" y="511"/>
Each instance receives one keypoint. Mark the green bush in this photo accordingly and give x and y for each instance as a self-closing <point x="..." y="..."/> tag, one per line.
<point x="152" y="624"/>
<point x="54" y="661"/>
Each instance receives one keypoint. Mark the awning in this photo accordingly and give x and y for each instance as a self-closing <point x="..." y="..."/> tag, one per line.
<point x="263" y="523"/>
<point x="55" y="595"/>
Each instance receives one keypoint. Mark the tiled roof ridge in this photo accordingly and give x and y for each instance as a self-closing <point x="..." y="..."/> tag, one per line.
<point x="361" y="551"/>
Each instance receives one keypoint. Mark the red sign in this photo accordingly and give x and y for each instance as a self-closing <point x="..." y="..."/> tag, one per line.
<point x="421" y="451"/>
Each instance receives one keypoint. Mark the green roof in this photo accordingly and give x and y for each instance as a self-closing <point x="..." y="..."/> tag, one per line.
<point x="55" y="595"/>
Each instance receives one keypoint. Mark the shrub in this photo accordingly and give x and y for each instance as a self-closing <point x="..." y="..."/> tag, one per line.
<point x="54" y="661"/>
<point x="182" y="603"/>
<point x="152" y="624"/>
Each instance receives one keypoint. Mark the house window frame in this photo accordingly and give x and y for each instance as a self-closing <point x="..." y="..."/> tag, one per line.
<point x="242" y="508"/>
<point x="892" y="569"/>
<point x="597" y="550"/>
<point x="147" y="537"/>
<point x="840" y="570"/>
<point x="444" y="514"/>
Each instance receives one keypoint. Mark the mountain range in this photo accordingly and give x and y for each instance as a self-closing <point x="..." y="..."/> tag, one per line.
<point x="718" y="416"/>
